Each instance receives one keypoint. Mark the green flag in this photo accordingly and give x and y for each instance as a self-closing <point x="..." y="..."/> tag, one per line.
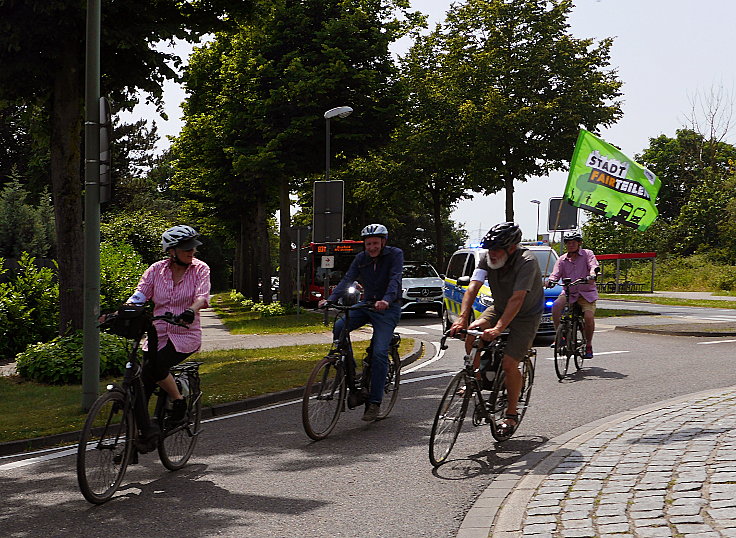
<point x="605" y="181"/>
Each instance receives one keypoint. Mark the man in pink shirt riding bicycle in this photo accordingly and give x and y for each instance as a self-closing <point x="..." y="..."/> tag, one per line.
<point x="574" y="264"/>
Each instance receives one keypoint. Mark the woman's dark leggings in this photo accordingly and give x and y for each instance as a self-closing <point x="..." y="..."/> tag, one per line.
<point x="158" y="368"/>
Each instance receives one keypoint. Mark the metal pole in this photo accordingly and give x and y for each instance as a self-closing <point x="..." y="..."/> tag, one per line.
<point x="538" y="204"/>
<point x="91" y="336"/>
<point x="298" y="275"/>
<point x="327" y="149"/>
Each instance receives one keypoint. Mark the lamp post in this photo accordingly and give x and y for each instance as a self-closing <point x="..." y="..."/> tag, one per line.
<point x="538" y="204"/>
<point x="337" y="112"/>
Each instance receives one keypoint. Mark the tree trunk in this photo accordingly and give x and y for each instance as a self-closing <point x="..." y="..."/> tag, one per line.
<point x="264" y="251"/>
<point x="438" y="235"/>
<point x="286" y="278"/>
<point x="509" y="186"/>
<point x="66" y="186"/>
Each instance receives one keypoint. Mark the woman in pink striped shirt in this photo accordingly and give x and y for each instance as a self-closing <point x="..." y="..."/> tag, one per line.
<point x="178" y="284"/>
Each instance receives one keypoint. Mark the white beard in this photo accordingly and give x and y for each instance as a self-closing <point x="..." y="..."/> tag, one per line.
<point x="499" y="263"/>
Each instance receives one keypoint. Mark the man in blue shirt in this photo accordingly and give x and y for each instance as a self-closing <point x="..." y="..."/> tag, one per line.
<point x="378" y="269"/>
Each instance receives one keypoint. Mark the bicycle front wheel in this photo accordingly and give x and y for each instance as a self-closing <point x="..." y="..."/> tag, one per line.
<point x="580" y="343"/>
<point x="323" y="399"/>
<point x="391" y="388"/>
<point x="527" y="380"/>
<point x="105" y="447"/>
<point x="562" y="351"/>
<point x="176" y="446"/>
<point x="449" y="419"/>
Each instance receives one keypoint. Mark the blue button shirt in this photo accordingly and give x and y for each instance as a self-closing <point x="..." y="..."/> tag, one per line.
<point x="379" y="276"/>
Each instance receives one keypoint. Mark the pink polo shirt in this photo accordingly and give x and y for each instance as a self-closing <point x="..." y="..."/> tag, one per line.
<point x="581" y="266"/>
<point x="157" y="284"/>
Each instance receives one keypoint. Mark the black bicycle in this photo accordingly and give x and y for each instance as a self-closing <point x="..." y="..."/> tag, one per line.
<point x="570" y="338"/>
<point x="334" y="383"/>
<point x="112" y="434"/>
<point x="482" y="370"/>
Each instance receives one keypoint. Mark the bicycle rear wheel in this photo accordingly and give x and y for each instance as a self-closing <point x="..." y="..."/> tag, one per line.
<point x="176" y="446"/>
<point x="580" y="343"/>
<point x="562" y="350"/>
<point x="391" y="388"/>
<point x="449" y="418"/>
<point x="324" y="396"/>
<point x="498" y="401"/>
<point x="105" y="447"/>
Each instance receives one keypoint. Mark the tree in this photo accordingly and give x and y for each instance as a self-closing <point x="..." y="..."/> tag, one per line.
<point x="524" y="87"/>
<point x="42" y="54"/>
<point x="23" y="227"/>
<point x="254" y="117"/>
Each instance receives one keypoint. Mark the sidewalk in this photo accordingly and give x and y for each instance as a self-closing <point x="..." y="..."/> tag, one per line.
<point x="662" y="470"/>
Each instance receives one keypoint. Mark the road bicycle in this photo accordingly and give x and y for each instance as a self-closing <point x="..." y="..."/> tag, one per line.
<point x="334" y="383"/>
<point x="570" y="341"/>
<point x="467" y="386"/>
<point x="112" y="435"/>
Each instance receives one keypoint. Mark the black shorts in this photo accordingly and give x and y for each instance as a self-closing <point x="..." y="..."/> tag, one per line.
<point x="158" y="369"/>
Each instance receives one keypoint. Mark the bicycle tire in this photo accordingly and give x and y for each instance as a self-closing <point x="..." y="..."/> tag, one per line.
<point x="105" y="447"/>
<point x="497" y="403"/>
<point x="580" y="343"/>
<point x="324" y="397"/>
<point x="527" y="382"/>
<point x="391" y="388"/>
<point x="562" y="356"/>
<point x="176" y="446"/>
<point x="449" y="419"/>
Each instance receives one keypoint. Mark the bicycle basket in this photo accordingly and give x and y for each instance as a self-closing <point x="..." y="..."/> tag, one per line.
<point x="130" y="321"/>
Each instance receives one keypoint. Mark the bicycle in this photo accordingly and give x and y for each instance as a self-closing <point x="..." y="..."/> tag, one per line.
<point x="570" y="338"/>
<point x="468" y="384"/>
<point x="111" y="438"/>
<point x="334" y="377"/>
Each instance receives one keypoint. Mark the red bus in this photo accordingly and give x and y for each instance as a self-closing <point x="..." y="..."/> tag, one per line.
<point x="312" y="273"/>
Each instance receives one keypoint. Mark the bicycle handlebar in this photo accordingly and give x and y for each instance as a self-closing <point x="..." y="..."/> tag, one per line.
<point x="446" y="335"/>
<point x="338" y="306"/>
<point x="169" y="317"/>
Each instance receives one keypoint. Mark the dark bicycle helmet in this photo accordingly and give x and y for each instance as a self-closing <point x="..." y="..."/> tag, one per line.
<point x="573" y="236"/>
<point x="502" y="235"/>
<point x="375" y="230"/>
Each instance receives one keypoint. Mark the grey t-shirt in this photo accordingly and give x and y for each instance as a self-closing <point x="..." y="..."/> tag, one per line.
<point x="520" y="272"/>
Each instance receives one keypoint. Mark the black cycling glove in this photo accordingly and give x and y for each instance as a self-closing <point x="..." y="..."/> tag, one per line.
<point x="187" y="316"/>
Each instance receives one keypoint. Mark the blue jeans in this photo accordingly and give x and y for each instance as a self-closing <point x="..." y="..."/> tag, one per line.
<point x="384" y="324"/>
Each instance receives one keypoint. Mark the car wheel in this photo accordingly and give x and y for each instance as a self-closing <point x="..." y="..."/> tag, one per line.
<point x="446" y="324"/>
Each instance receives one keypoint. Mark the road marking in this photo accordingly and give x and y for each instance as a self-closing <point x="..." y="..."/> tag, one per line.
<point x="403" y="330"/>
<point x="436" y="327"/>
<point x="596" y="354"/>
<point x="715" y="342"/>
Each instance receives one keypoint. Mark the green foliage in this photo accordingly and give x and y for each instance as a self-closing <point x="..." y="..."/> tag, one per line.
<point x="59" y="361"/>
<point x="140" y="229"/>
<point x="24" y="227"/>
<point x="273" y="309"/>
<point x="247" y="304"/>
<point x="120" y="269"/>
<point x="699" y="272"/>
<point x="28" y="306"/>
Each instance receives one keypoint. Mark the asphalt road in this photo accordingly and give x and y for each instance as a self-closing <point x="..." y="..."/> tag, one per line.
<point x="257" y="473"/>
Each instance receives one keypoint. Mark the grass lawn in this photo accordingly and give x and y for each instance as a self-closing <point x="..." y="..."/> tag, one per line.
<point x="29" y="409"/>
<point x="707" y="303"/>
<point x="238" y="321"/>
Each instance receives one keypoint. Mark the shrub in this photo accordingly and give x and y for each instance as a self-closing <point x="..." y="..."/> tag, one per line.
<point x="273" y="309"/>
<point x="28" y="307"/>
<point x="247" y="304"/>
<point x="236" y="296"/>
<point x="142" y="230"/>
<point x="120" y="269"/>
<point x="59" y="362"/>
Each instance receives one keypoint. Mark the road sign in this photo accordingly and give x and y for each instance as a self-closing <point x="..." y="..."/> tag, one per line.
<point x="328" y="262"/>
<point x="328" y="211"/>
<point x="562" y="216"/>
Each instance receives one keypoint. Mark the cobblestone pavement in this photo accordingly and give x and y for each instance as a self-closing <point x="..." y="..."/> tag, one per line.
<point x="666" y="470"/>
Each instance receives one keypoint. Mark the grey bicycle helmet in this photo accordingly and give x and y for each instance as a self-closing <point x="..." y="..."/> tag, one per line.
<point x="375" y="230"/>
<point x="181" y="236"/>
<point x="572" y="236"/>
<point x="502" y="235"/>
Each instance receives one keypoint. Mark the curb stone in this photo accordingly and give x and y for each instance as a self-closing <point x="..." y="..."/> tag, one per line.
<point x="69" y="438"/>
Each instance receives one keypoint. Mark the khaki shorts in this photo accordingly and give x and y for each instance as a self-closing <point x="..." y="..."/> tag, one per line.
<point x="521" y="332"/>
<point x="585" y="306"/>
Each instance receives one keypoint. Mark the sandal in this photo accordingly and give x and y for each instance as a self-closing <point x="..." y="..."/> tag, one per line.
<point x="509" y="428"/>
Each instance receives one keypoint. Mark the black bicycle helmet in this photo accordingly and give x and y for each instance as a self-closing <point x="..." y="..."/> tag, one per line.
<point x="573" y="236"/>
<point x="502" y="235"/>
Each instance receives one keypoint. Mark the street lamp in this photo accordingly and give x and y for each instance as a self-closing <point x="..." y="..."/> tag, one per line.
<point x="337" y="112"/>
<point x="538" y="204"/>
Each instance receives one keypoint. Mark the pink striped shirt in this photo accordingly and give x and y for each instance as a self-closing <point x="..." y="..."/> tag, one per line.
<point x="580" y="266"/>
<point x="157" y="284"/>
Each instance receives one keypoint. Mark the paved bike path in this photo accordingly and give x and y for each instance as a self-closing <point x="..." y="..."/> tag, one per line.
<point x="667" y="469"/>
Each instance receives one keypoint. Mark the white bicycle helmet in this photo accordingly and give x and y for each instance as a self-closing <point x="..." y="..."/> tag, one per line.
<point x="375" y="230"/>
<point x="181" y="236"/>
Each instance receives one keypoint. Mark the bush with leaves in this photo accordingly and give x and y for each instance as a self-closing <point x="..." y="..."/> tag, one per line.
<point x="142" y="230"/>
<point x="59" y="362"/>
<point x="24" y="227"/>
<point x="120" y="269"/>
<point x="28" y="306"/>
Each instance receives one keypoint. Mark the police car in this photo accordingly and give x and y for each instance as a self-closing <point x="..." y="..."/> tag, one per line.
<point x="460" y="268"/>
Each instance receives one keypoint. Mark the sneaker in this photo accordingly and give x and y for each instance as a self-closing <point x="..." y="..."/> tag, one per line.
<point x="588" y="352"/>
<point x="148" y="440"/>
<point x="371" y="412"/>
<point x="178" y="411"/>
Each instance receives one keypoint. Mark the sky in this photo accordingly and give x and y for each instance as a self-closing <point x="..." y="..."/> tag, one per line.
<point x="668" y="53"/>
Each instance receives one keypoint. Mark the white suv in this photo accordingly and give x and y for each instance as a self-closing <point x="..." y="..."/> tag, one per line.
<point x="460" y="268"/>
<point x="422" y="288"/>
